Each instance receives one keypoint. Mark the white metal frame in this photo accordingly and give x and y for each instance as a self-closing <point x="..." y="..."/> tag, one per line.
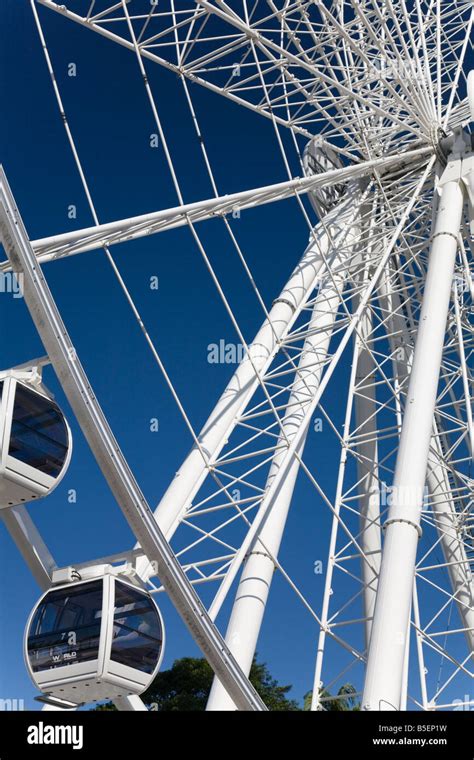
<point x="388" y="641"/>
<point x="110" y="459"/>
<point x="381" y="96"/>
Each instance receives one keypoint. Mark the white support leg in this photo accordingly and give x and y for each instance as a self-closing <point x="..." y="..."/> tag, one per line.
<point x="439" y="487"/>
<point x="384" y="675"/>
<point x="367" y="474"/>
<point x="244" y="383"/>
<point x="365" y="405"/>
<point x="254" y="587"/>
<point x="131" y="703"/>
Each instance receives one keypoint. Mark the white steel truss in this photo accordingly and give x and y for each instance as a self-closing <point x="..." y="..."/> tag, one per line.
<point x="367" y="102"/>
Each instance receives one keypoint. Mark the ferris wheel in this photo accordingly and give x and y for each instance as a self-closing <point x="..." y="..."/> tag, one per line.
<point x="371" y="104"/>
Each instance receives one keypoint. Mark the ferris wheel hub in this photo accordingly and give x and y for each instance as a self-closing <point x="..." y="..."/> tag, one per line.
<point x="318" y="158"/>
<point x="439" y="141"/>
<point x="470" y="93"/>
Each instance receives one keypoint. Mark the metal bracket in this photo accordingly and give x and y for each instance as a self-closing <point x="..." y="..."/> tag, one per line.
<point x="31" y="373"/>
<point x="460" y="167"/>
<point x="467" y="178"/>
<point x="55" y="702"/>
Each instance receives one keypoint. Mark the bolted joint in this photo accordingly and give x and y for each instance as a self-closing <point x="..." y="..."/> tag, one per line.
<point x="403" y="520"/>
<point x="439" y="142"/>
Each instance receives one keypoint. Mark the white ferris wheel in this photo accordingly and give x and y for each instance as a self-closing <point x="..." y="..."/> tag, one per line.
<point x="371" y="104"/>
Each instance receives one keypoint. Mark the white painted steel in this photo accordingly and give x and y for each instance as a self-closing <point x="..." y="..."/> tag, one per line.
<point x="124" y="230"/>
<point x="365" y="405"/>
<point x="383" y="682"/>
<point x="254" y="586"/>
<point x="373" y="85"/>
<point x="109" y="457"/>
<point x="245" y="381"/>
<point x="447" y="519"/>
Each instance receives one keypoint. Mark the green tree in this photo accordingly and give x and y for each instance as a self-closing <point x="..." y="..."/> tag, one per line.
<point x="270" y="691"/>
<point x="187" y="684"/>
<point x="345" y="701"/>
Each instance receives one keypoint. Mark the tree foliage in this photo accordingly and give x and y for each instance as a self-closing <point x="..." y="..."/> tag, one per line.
<point x="186" y="686"/>
<point x="345" y="700"/>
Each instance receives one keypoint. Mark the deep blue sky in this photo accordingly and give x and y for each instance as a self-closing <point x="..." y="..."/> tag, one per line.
<point x="111" y="121"/>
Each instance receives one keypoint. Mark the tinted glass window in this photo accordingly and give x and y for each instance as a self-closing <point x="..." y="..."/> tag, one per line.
<point x="39" y="434"/>
<point x="137" y="635"/>
<point x="66" y="627"/>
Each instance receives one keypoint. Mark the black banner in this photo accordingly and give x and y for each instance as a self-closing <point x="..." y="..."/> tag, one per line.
<point x="89" y="734"/>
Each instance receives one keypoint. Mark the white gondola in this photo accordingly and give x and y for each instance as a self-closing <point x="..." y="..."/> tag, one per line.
<point x="35" y="441"/>
<point x="94" y="640"/>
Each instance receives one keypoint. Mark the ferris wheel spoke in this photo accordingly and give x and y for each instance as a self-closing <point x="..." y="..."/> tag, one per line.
<point x="364" y="102"/>
<point x="267" y="45"/>
<point x="382" y="47"/>
<point x="459" y="70"/>
<point x="92" y="238"/>
<point x="150" y="55"/>
<point x="266" y="503"/>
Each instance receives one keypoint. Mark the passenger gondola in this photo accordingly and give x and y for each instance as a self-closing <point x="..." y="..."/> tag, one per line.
<point x="94" y="640"/>
<point x="35" y="442"/>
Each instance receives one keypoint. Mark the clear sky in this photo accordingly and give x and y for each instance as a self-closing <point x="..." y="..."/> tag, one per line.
<point x="112" y="122"/>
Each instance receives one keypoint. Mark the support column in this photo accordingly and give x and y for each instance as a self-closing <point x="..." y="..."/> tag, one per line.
<point x="130" y="703"/>
<point x="365" y="407"/>
<point x="262" y="351"/>
<point x="437" y="478"/>
<point x="257" y="574"/>
<point x="384" y="675"/>
<point x="367" y="474"/>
